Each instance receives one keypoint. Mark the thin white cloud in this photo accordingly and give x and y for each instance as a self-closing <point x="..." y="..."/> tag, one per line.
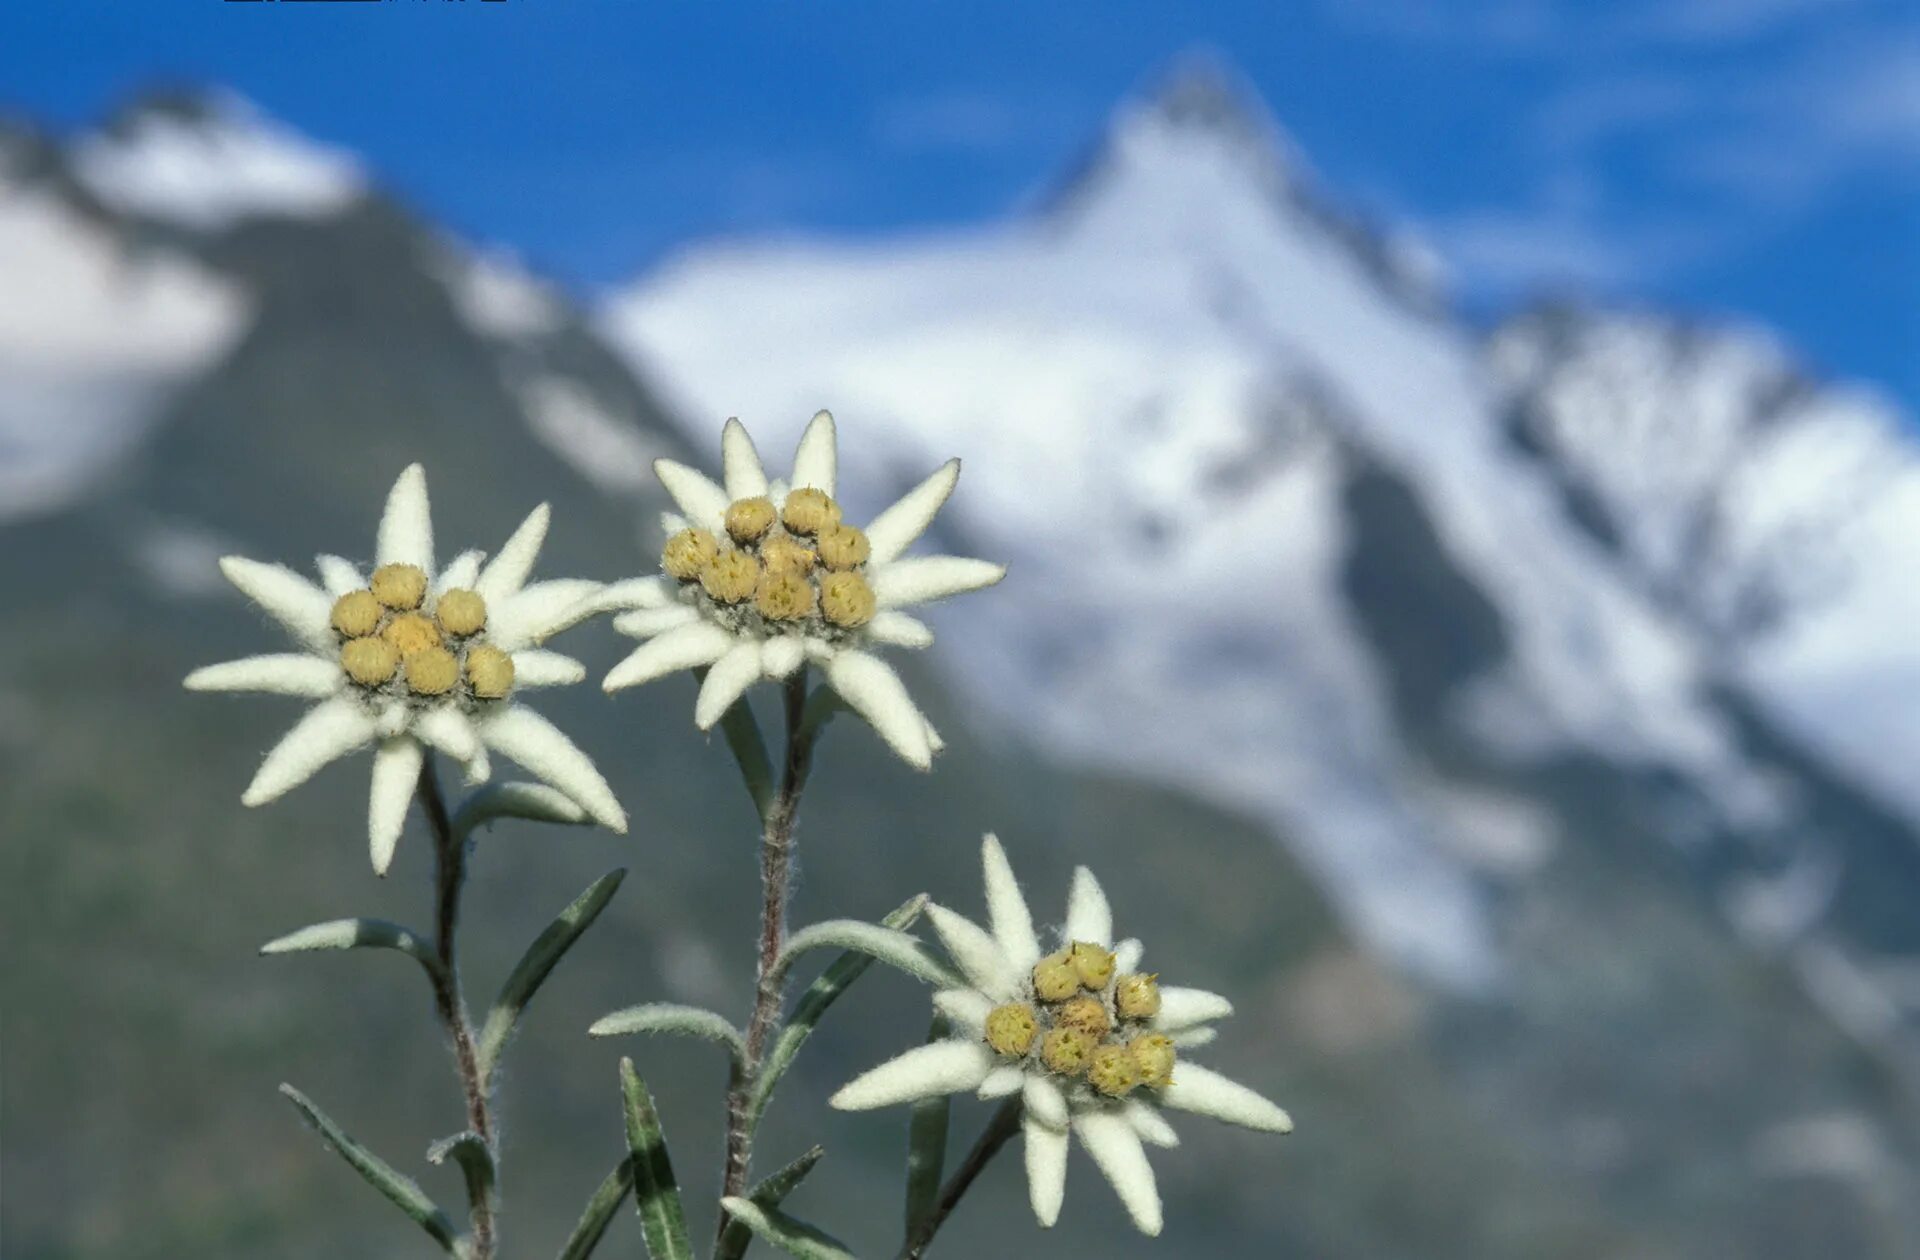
<point x="976" y="120"/>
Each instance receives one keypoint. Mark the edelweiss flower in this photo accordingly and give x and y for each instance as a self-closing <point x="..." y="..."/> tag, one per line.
<point x="763" y="575"/>
<point x="415" y="660"/>
<point x="1089" y="1040"/>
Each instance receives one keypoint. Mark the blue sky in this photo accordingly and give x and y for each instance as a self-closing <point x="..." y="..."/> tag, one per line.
<point x="1754" y="158"/>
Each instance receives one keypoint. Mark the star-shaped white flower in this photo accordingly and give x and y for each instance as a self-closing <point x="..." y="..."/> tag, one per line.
<point x="761" y="576"/>
<point x="1088" y="1040"/>
<point x="408" y="659"/>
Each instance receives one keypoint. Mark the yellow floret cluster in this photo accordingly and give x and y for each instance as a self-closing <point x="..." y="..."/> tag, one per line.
<point x="1086" y="1022"/>
<point x="775" y="568"/>
<point x="396" y="637"/>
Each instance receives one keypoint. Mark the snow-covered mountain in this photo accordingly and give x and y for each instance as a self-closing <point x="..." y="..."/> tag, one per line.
<point x="1285" y="537"/>
<point x="1182" y="367"/>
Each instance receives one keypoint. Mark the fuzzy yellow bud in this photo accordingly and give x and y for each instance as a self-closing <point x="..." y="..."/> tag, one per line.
<point x="784" y="597"/>
<point x="1137" y="997"/>
<point x="431" y="671"/>
<point x="369" y="661"/>
<point x="1088" y="1014"/>
<point x="399" y="585"/>
<point x="1153" y="1058"/>
<point x="808" y="511"/>
<point x="1012" y="1028"/>
<point x="846" y="599"/>
<point x="748" y="520"/>
<point x="490" y="671"/>
<point x="461" y="612"/>
<point x="687" y="553"/>
<point x="730" y="576"/>
<point x="356" y="613"/>
<point x="1092" y="963"/>
<point x="782" y="554"/>
<point x="1113" y="1071"/>
<point x="843" y="547"/>
<point x="410" y="633"/>
<point x="1054" y="979"/>
<point x="1066" y="1051"/>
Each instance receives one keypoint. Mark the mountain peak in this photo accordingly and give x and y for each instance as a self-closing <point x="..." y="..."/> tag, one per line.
<point x="1203" y="91"/>
<point x="206" y="160"/>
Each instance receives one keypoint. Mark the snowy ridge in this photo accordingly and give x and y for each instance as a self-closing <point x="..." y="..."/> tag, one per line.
<point x="211" y="162"/>
<point x="1170" y="369"/>
<point x="1776" y="516"/>
<point x="92" y="340"/>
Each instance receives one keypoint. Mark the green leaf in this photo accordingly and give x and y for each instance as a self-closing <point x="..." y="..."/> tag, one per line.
<point x="735" y="1236"/>
<point x="889" y="945"/>
<point x="403" y="1192"/>
<point x="356" y="934"/>
<point x="655" y="1192"/>
<point x="670" y="1018"/>
<point x="475" y="1158"/>
<point x="536" y="963"/>
<point x="793" y="1236"/>
<point x="599" y="1214"/>
<point x="822" y="704"/>
<point x="813" y="1004"/>
<point x="927" y="1146"/>
<point x="749" y="750"/>
<point x="535" y="802"/>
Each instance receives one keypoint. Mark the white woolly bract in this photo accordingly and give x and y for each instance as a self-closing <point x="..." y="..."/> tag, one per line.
<point x="1127" y="954"/>
<point x="1182" y="1008"/>
<point x="1002" y="1081"/>
<point x="510" y="569"/>
<point x="330" y="730"/>
<point x="297" y="604"/>
<point x="644" y="623"/>
<point x="285" y="674"/>
<point x="536" y="667"/>
<point x="782" y="656"/>
<point x="1205" y="1092"/>
<point x="1116" y="1149"/>
<point x="922" y="579"/>
<point x="740" y="466"/>
<point x="895" y="529"/>
<point x="338" y="575"/>
<point x="1150" y="1124"/>
<point x="1089" y="917"/>
<point x="1046" y="1159"/>
<point x="538" y="745"/>
<point x="406" y="527"/>
<point x="976" y="953"/>
<point x="536" y="613"/>
<point x="685" y="647"/>
<point x="1045" y="1102"/>
<point x="816" y="462"/>
<point x="726" y="682"/>
<point x="396" y="772"/>
<point x="892" y="628"/>
<point x="704" y="502"/>
<point x="462" y="571"/>
<point x="939" y="1067"/>
<point x="871" y="688"/>
<point x="966" y="1009"/>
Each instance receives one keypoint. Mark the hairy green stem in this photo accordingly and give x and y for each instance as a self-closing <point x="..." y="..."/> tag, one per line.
<point x="999" y="1131"/>
<point x="450" y="869"/>
<point x="776" y="880"/>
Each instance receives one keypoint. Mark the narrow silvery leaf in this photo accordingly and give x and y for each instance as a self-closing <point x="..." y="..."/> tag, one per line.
<point x="672" y="1019"/>
<point x="655" y="1192"/>
<point x="540" y="959"/>
<point x="793" y="1236"/>
<point x="599" y="1213"/>
<point x="535" y="802"/>
<point x="895" y="948"/>
<point x="471" y="1152"/>
<point x="403" y="1192"/>
<point x="354" y="934"/>
<point x="735" y="1236"/>
<point x="927" y="1146"/>
<point x="814" y="1003"/>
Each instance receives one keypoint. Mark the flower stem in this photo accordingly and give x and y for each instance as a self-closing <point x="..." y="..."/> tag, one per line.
<point x="776" y="880"/>
<point x="449" y="871"/>
<point x="999" y="1130"/>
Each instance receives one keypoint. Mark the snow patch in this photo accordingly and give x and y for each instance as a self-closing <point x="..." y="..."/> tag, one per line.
<point x="497" y="296"/>
<point x="613" y="454"/>
<point x="222" y="165"/>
